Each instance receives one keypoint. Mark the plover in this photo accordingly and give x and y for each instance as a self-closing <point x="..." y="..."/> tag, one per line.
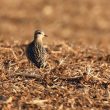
<point x="36" y="52"/>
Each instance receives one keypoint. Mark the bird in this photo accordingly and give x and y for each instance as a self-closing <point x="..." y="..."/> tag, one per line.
<point x="36" y="52"/>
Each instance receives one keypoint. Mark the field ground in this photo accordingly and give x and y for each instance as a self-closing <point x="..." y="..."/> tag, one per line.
<point x="78" y="73"/>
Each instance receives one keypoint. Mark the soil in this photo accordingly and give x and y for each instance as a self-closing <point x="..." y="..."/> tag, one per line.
<point x="77" y="75"/>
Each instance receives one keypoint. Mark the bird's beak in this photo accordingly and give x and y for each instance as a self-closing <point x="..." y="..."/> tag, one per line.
<point x="45" y="35"/>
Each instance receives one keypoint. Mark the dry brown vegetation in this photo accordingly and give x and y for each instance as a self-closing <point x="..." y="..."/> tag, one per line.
<point x="78" y="73"/>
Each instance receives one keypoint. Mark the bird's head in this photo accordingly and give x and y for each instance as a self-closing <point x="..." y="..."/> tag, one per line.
<point x="39" y="35"/>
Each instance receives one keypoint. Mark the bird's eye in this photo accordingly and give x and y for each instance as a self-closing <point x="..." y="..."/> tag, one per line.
<point x="38" y="32"/>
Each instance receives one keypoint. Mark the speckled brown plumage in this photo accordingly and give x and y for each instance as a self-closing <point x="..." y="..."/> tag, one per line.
<point x="36" y="53"/>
